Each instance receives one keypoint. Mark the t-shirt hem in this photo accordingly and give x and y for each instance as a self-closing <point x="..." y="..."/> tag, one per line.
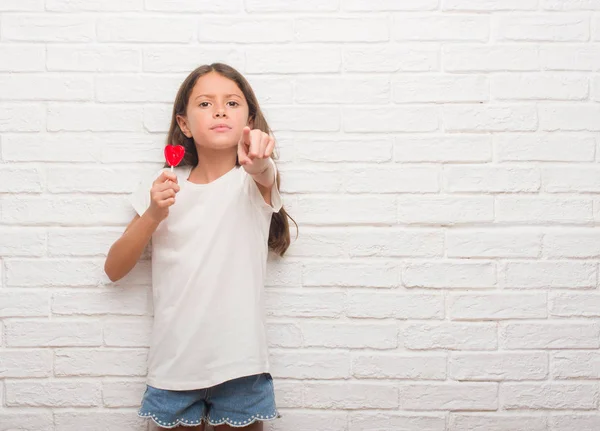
<point x="206" y="383"/>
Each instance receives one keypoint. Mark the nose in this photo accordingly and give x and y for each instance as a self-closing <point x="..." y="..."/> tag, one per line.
<point x="220" y="112"/>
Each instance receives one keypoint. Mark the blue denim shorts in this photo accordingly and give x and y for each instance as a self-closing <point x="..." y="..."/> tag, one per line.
<point x="237" y="403"/>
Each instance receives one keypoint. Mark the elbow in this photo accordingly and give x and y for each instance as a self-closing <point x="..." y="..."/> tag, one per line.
<point x="110" y="272"/>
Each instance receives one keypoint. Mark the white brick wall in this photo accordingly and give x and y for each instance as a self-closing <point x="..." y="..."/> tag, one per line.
<point x="442" y="158"/>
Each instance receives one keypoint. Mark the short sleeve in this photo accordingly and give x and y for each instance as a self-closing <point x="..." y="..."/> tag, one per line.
<point x="256" y="196"/>
<point x="140" y="198"/>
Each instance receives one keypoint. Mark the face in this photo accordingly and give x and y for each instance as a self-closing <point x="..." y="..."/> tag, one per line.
<point x="215" y="100"/>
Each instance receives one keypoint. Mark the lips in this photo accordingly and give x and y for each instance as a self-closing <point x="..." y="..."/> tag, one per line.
<point x="221" y="126"/>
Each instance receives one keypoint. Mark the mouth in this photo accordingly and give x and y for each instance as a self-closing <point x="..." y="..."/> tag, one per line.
<point x="221" y="128"/>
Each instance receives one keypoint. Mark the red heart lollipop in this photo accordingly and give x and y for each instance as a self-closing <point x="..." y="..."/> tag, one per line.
<point x="174" y="154"/>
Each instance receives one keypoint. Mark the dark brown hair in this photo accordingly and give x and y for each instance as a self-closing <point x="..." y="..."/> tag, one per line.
<point x="279" y="231"/>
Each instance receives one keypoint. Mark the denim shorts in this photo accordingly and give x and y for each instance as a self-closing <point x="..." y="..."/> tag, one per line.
<point x="237" y="403"/>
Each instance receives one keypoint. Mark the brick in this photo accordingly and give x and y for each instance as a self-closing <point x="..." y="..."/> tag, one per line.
<point x="48" y="28"/>
<point x="145" y="29"/>
<point x="489" y="5"/>
<point x="440" y="88"/>
<point x="539" y="86"/>
<point x="57" y="393"/>
<point x="100" y="363"/>
<point x="101" y="419"/>
<point x="474" y="28"/>
<point x="556" y="396"/>
<point x="449" y="396"/>
<point x="368" y="90"/>
<point x="66" y="210"/>
<point x="127" y="332"/>
<point x="350" y="395"/>
<point x="298" y="59"/>
<point x="486" y="179"/>
<point x="308" y="364"/>
<point x="497" y="306"/>
<point x="552" y="335"/>
<point x="304" y="119"/>
<point x="397" y="366"/>
<point x="21" y="57"/>
<point x="497" y="422"/>
<point x="544" y="147"/>
<point x="291" y="5"/>
<point x="350" y="335"/>
<point x="123" y="393"/>
<point x="171" y="59"/>
<point x="442" y="210"/>
<point x="396" y="119"/>
<point x="497" y="118"/>
<point x="28" y="363"/>
<point x="549" y="275"/>
<point x="343" y="29"/>
<point x="19" y="241"/>
<point x="583" y="57"/>
<point x="542" y="27"/>
<point x="54" y="333"/>
<point x="365" y="421"/>
<point x="21" y="117"/>
<point x="490" y="58"/>
<point x="576" y="365"/>
<point x="375" y="57"/>
<point x="93" y="6"/>
<point x="443" y="148"/>
<point x="452" y="274"/>
<point x="574" y="304"/>
<point x="543" y="210"/>
<point x="93" y="118"/>
<point x="136" y="88"/>
<point x="569" y="117"/>
<point x="129" y="301"/>
<point x="450" y="336"/>
<point x="349" y="274"/>
<point x="498" y="366"/>
<point x="476" y="243"/>
<point x="86" y="58"/>
<point x="16" y="303"/>
<point x="394" y="305"/>
<point x="347" y="210"/>
<point x="305" y="303"/>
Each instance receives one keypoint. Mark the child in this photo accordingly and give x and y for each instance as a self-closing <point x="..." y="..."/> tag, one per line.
<point x="212" y="222"/>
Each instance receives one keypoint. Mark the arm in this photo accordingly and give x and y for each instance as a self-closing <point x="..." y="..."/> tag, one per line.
<point x="125" y="252"/>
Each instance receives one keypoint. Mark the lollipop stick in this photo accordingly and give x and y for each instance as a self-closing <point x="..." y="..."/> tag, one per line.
<point x="171" y="168"/>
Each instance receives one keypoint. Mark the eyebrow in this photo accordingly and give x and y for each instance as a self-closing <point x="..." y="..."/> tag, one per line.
<point x="212" y="96"/>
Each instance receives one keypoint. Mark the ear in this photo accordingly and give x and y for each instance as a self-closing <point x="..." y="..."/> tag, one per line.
<point x="182" y="122"/>
<point x="251" y="123"/>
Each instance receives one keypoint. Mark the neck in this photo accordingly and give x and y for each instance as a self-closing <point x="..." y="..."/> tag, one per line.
<point x="212" y="164"/>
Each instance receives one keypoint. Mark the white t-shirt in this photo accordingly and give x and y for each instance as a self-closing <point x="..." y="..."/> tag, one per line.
<point x="209" y="259"/>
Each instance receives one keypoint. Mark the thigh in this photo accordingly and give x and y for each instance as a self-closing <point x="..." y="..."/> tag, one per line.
<point x="242" y="402"/>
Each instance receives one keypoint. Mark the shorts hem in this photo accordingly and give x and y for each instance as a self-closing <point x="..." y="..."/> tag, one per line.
<point x="165" y="424"/>
<point x="240" y="424"/>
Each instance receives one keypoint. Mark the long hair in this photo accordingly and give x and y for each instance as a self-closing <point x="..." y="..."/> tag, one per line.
<point x="279" y="233"/>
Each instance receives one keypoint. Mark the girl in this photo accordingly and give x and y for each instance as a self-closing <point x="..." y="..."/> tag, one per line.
<point x="211" y="222"/>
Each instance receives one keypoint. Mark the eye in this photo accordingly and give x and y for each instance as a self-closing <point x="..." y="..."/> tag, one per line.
<point x="233" y="102"/>
<point x="203" y="104"/>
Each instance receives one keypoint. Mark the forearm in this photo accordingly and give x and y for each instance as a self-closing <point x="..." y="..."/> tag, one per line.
<point x="126" y="251"/>
<point x="266" y="177"/>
